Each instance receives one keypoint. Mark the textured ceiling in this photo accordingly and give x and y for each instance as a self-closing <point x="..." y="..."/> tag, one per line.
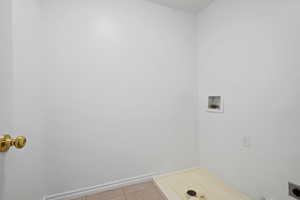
<point x="188" y="5"/>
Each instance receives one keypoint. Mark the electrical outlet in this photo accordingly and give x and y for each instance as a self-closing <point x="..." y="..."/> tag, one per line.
<point x="294" y="191"/>
<point x="246" y="142"/>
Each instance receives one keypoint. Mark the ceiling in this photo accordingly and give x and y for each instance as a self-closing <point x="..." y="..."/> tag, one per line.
<point x="188" y="5"/>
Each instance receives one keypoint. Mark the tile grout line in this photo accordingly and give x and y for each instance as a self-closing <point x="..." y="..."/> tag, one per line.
<point x="125" y="197"/>
<point x="123" y="191"/>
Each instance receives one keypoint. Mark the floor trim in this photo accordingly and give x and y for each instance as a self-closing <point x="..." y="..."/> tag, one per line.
<point x="108" y="186"/>
<point x="99" y="188"/>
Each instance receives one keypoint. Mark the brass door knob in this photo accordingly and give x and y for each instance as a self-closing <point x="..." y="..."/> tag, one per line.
<point x="6" y="142"/>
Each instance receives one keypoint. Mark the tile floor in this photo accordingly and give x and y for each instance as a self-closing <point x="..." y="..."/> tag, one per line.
<point x="142" y="191"/>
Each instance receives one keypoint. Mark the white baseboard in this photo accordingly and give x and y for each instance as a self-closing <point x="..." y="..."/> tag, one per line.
<point x="100" y="188"/>
<point x="107" y="186"/>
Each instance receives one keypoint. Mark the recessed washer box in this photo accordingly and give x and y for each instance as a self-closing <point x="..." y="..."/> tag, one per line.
<point x="215" y="104"/>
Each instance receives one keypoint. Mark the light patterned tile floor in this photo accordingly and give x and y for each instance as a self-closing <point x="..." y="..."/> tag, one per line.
<point x="142" y="191"/>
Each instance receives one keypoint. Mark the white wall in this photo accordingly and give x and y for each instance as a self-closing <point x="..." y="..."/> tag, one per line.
<point x="121" y="91"/>
<point x="249" y="53"/>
